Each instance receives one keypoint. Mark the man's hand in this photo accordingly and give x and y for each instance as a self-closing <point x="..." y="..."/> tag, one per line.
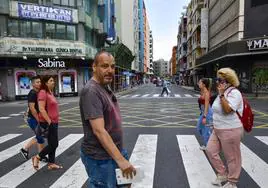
<point x="127" y="169"/>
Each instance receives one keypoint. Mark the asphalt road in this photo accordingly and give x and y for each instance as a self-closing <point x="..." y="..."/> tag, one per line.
<point x="159" y="134"/>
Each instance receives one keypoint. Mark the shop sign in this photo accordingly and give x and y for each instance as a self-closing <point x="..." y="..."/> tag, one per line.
<point x="41" y="47"/>
<point x="48" y="63"/>
<point x="258" y="44"/>
<point x="34" y="11"/>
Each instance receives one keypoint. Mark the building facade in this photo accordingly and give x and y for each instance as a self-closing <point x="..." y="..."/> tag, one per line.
<point x="237" y="39"/>
<point x="58" y="38"/>
<point x="146" y="43"/>
<point x="151" y="52"/>
<point x="182" y="51"/>
<point x="195" y="44"/>
<point x="161" y="68"/>
<point x="173" y="65"/>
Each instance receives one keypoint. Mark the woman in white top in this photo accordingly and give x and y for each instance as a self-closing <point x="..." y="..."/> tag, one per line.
<point x="228" y="129"/>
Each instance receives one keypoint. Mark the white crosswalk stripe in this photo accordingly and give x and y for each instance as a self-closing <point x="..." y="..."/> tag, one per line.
<point x="254" y="166"/>
<point x="12" y="115"/>
<point x="264" y="139"/>
<point x="6" y="154"/>
<point x="75" y="176"/>
<point x="24" y="171"/>
<point x="143" y="155"/>
<point x="8" y="137"/>
<point x="146" y="95"/>
<point x="4" y="118"/>
<point x="195" y="161"/>
<point x="157" y="95"/>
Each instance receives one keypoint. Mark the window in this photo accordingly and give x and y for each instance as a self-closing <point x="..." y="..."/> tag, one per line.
<point x="60" y="31"/>
<point x="30" y="1"/>
<point x="13" y="28"/>
<point x="25" y="29"/>
<point x="69" y="3"/>
<point x="50" y="30"/>
<point x="71" y="32"/>
<point x="37" y="30"/>
<point x="255" y="3"/>
<point x="87" y="6"/>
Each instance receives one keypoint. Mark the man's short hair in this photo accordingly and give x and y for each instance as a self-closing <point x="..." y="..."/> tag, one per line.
<point x="35" y="78"/>
<point x="98" y="54"/>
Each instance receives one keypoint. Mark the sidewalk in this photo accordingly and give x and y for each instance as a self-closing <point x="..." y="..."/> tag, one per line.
<point x="247" y="95"/>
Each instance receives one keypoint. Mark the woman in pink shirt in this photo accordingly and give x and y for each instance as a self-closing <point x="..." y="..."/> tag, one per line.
<point x="49" y="118"/>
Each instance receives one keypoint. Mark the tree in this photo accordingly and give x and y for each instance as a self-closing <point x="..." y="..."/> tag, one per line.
<point x="260" y="78"/>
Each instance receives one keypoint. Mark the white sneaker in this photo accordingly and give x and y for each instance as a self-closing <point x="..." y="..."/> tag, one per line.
<point x="229" y="185"/>
<point x="203" y="148"/>
<point x="220" y="179"/>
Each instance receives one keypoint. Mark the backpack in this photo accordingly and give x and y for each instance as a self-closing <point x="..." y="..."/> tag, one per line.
<point x="247" y="117"/>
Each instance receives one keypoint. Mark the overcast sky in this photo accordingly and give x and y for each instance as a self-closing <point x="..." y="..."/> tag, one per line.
<point x="163" y="19"/>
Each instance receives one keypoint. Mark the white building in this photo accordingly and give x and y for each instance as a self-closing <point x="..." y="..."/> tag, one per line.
<point x="125" y="26"/>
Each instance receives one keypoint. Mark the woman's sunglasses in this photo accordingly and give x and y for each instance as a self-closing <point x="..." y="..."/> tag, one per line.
<point x="220" y="80"/>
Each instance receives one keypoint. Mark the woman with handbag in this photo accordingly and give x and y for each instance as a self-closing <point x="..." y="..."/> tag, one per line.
<point x="49" y="118"/>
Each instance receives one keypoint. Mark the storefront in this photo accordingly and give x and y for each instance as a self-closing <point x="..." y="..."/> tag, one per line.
<point x="246" y="57"/>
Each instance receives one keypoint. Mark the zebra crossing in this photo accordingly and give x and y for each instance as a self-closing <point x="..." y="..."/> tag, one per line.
<point x="157" y="95"/>
<point x="197" y="167"/>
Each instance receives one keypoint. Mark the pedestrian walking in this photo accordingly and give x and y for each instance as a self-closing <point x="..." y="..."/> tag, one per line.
<point x="102" y="147"/>
<point x="49" y="119"/>
<point x="205" y="119"/>
<point x="33" y="119"/>
<point x="165" y="87"/>
<point x="228" y="129"/>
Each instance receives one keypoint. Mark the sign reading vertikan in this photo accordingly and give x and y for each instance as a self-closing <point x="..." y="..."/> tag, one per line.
<point x="32" y="11"/>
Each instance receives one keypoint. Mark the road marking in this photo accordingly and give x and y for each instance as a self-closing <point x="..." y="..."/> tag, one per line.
<point x="156" y="95"/>
<point x="4" y="118"/>
<point x="144" y="155"/>
<point x="124" y="96"/>
<point x="146" y="95"/>
<point x="15" y="115"/>
<point x="188" y="95"/>
<point x="264" y="139"/>
<point x="14" y="150"/>
<point x="197" y="95"/>
<point x="75" y="176"/>
<point x="254" y="166"/>
<point x="177" y="95"/>
<point x="8" y="137"/>
<point x="198" y="170"/>
<point x="26" y="170"/>
<point x="134" y="96"/>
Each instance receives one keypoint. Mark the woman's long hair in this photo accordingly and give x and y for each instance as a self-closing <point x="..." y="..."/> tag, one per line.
<point x="44" y="80"/>
<point x="207" y="82"/>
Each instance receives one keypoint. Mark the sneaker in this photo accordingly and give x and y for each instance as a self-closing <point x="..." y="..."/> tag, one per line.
<point x="230" y="185"/>
<point x="24" y="153"/>
<point x="203" y="148"/>
<point x="219" y="180"/>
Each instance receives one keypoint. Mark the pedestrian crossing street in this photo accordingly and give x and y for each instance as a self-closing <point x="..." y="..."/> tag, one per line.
<point x="197" y="167"/>
<point x="157" y="95"/>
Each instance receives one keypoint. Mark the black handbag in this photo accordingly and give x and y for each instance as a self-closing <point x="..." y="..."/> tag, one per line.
<point x="42" y="130"/>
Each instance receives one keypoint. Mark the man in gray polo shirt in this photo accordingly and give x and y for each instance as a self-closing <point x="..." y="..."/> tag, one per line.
<point x="101" y="150"/>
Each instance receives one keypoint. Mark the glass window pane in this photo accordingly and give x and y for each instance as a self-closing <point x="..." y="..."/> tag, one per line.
<point x="37" y="31"/>
<point x="13" y="28"/>
<point x="60" y="33"/>
<point x="65" y="2"/>
<point x="71" y="32"/>
<point x="72" y="3"/>
<point x="50" y="31"/>
<point x="56" y="2"/>
<point x="25" y="29"/>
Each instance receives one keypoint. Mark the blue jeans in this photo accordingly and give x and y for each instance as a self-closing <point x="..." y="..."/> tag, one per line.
<point x="101" y="173"/>
<point x="33" y="124"/>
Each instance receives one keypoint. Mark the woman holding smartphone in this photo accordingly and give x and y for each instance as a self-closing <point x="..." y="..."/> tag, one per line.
<point x="49" y="118"/>
<point x="228" y="129"/>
